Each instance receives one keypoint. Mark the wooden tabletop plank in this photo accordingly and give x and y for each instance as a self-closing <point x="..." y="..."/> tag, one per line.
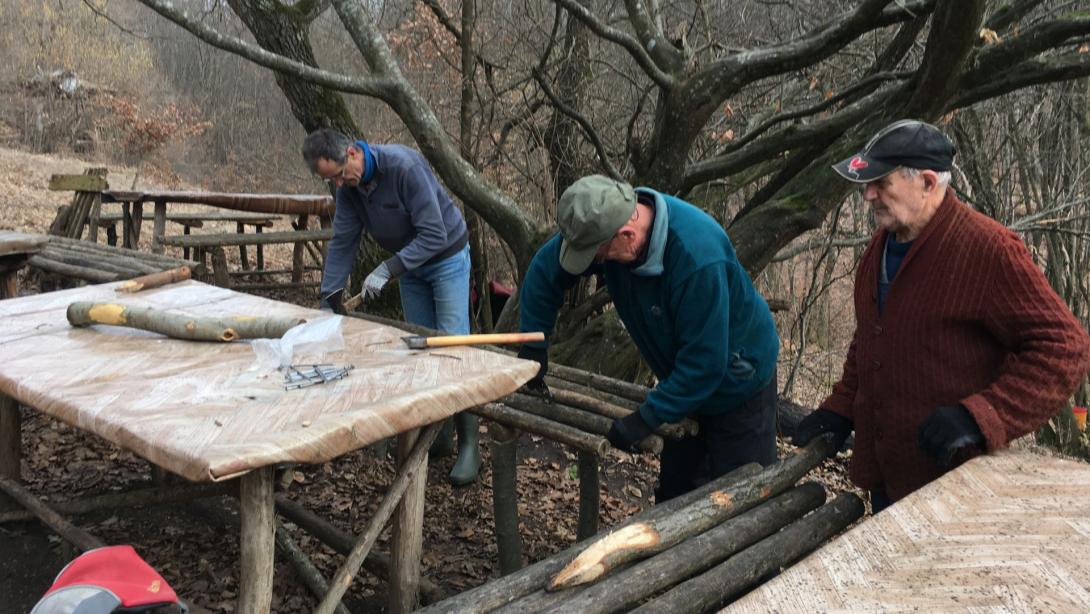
<point x="293" y="204"/>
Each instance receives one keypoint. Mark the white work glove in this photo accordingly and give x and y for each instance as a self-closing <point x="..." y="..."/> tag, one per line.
<point x="376" y="281"/>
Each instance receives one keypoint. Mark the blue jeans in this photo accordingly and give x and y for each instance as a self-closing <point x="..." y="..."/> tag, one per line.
<point x="436" y="295"/>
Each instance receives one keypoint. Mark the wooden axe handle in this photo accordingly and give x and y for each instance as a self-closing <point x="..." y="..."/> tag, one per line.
<point x="496" y="338"/>
<point x="353" y="302"/>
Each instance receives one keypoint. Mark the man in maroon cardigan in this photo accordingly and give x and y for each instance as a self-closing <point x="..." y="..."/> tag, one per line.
<point x="960" y="344"/>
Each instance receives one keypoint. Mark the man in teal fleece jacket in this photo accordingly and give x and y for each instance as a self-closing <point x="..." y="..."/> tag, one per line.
<point x="692" y="311"/>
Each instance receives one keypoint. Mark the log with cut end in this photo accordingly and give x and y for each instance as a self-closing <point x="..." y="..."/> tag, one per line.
<point x="745" y="569"/>
<point x="645" y="539"/>
<point x="179" y="325"/>
<point x="155" y="280"/>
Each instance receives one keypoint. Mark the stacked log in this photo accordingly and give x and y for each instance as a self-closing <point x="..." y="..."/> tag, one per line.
<point x="98" y="263"/>
<point x="690" y="554"/>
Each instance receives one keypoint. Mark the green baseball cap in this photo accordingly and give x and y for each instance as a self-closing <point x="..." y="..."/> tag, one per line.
<point x="589" y="213"/>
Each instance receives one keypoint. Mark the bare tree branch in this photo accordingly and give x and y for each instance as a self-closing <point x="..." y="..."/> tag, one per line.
<point x="584" y="123"/>
<point x="664" y="54"/>
<point x="1031" y="72"/>
<point x="629" y="44"/>
<point x="1029" y="42"/>
<point x="377" y="87"/>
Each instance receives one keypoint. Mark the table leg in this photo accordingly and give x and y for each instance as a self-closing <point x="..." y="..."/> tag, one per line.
<point x="137" y="223"/>
<point x="260" y="252"/>
<point x="407" y="535"/>
<point x="9" y="283"/>
<point x="10" y="438"/>
<point x="257" y="541"/>
<point x="241" y="228"/>
<point x="160" y="227"/>
<point x="126" y="225"/>
<point x="185" y="250"/>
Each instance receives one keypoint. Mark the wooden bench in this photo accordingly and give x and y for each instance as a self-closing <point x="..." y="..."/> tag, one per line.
<point x="189" y="220"/>
<point x="213" y="244"/>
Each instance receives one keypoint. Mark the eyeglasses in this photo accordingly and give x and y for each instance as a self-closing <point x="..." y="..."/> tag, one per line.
<point x="337" y="177"/>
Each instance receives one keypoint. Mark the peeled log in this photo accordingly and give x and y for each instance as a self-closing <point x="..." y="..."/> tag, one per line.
<point x="179" y="325"/>
<point x="154" y="280"/>
<point x="643" y="540"/>
<point x="745" y="569"/>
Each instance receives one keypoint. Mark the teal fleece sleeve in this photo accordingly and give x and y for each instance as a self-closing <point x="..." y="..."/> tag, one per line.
<point x="701" y="303"/>
<point x="542" y="290"/>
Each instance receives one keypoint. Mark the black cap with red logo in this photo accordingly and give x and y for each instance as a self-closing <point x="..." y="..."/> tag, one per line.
<point x="908" y="142"/>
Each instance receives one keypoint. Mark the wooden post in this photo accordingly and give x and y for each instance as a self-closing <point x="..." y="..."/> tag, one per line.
<point x="137" y="222"/>
<point x="185" y="250"/>
<point x="241" y="229"/>
<point x="9" y="282"/>
<point x="126" y="225"/>
<point x="260" y="251"/>
<point x="92" y="219"/>
<point x="589" y="501"/>
<point x="298" y="250"/>
<point x="505" y="497"/>
<point x="219" y="267"/>
<point x="160" y="228"/>
<point x="10" y="438"/>
<point x="70" y="532"/>
<point x="407" y="534"/>
<point x="257" y="541"/>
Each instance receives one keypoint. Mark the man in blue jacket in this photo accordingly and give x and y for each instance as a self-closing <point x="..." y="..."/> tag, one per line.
<point x="691" y="310"/>
<point x="390" y="192"/>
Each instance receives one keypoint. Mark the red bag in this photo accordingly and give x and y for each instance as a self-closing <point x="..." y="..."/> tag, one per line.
<point x="110" y="579"/>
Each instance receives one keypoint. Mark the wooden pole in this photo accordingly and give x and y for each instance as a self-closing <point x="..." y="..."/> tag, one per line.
<point x="578" y="418"/>
<point x="625" y="589"/>
<point x="133" y="498"/>
<point x="505" y="497"/>
<point x="179" y="325"/>
<point x="744" y="570"/>
<point x="304" y="568"/>
<point x="10" y="438"/>
<point x="297" y="253"/>
<point x="567" y="435"/>
<point x="256" y="543"/>
<point x="497" y="593"/>
<point x="160" y="227"/>
<point x="220" y="275"/>
<point x="9" y="283"/>
<point x="155" y="280"/>
<point x="70" y="532"/>
<point x="68" y="270"/>
<point x="638" y="541"/>
<point x="685" y="428"/>
<point x="378" y="563"/>
<point x="412" y="473"/>
<point x="589" y="497"/>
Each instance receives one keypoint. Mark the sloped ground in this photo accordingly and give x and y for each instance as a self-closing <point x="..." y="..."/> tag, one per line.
<point x="195" y="546"/>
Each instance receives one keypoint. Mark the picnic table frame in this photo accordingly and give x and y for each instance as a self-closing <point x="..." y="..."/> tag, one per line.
<point x="24" y="327"/>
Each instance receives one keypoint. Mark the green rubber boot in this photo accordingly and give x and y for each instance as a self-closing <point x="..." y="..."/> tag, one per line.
<point x="444" y="441"/>
<point x="469" y="454"/>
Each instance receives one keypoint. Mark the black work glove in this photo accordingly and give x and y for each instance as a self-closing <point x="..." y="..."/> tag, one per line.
<point x="334" y="301"/>
<point x="536" y="385"/>
<point x="819" y="422"/>
<point x="948" y="429"/>
<point x="626" y="432"/>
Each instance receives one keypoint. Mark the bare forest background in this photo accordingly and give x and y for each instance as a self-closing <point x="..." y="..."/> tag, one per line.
<point x="737" y="106"/>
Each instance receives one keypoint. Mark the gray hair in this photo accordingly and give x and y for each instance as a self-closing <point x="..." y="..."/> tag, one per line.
<point x="944" y="176"/>
<point x="325" y="143"/>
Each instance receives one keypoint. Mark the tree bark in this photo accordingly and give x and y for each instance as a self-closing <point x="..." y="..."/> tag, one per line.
<point x="155" y="280"/>
<point x="580" y="419"/>
<point x="179" y="325"/>
<point x="505" y="498"/>
<point x="625" y="589"/>
<point x="135" y="498"/>
<point x="562" y="433"/>
<point x="589" y="497"/>
<point x="70" y="532"/>
<point x="497" y="593"/>
<point x="304" y="568"/>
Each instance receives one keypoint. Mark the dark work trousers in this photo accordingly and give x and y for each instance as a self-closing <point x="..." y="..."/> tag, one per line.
<point x="879" y="500"/>
<point x="726" y="441"/>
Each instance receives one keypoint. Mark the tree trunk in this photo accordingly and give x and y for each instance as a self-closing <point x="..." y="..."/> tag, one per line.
<point x="505" y="498"/>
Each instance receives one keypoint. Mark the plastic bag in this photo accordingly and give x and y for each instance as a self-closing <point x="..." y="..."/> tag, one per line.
<point x="312" y="338"/>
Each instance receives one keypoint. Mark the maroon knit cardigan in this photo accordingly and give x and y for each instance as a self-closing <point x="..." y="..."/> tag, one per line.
<point x="969" y="319"/>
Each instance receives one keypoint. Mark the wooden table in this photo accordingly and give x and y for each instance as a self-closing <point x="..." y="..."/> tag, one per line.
<point x="1008" y="532"/>
<point x="15" y="249"/>
<point x="200" y="411"/>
